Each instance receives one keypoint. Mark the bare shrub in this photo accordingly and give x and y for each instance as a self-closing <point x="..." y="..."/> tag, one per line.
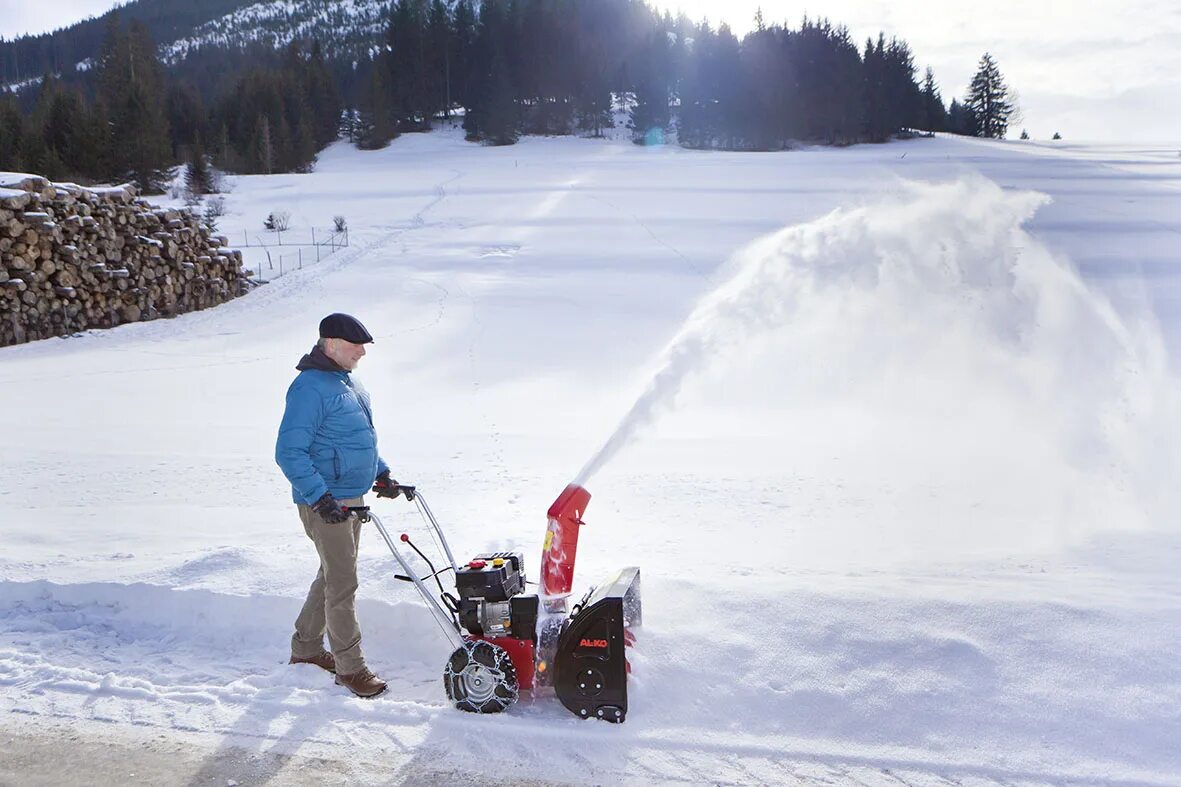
<point x="278" y="220"/>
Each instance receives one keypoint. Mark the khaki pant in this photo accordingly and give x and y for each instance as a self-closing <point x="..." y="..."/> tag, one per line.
<point x="331" y="602"/>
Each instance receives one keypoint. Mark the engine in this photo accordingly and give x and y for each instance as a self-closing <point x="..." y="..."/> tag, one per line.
<point x="492" y="606"/>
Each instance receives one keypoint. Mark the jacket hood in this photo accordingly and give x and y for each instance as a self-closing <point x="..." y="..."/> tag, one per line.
<point x="317" y="359"/>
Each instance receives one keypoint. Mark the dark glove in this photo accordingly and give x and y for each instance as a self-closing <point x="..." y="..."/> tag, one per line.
<point x="387" y="487"/>
<point x="330" y="510"/>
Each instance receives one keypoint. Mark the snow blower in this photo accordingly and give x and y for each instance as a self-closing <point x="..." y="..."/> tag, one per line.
<point x="508" y="641"/>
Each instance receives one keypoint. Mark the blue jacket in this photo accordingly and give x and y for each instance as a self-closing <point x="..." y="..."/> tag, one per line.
<point x="327" y="442"/>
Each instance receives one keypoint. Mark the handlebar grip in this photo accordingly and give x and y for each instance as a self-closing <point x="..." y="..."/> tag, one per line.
<point x="396" y="491"/>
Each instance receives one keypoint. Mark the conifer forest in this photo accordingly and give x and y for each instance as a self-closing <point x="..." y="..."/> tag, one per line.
<point x="158" y="83"/>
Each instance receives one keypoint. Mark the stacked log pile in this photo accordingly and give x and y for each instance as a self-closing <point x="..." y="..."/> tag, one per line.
<point x="73" y="258"/>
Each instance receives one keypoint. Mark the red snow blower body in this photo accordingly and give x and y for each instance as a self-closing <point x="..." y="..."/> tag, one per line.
<point x="508" y="641"/>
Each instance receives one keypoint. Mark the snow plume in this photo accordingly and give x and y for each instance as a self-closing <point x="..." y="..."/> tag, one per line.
<point x="936" y="318"/>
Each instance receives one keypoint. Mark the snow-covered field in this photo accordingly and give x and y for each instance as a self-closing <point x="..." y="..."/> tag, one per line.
<point x="901" y="478"/>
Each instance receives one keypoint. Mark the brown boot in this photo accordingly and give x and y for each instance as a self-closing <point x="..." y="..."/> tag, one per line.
<point x="323" y="660"/>
<point x="363" y="683"/>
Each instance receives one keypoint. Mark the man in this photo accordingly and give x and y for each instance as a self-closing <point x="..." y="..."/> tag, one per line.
<point x="327" y="448"/>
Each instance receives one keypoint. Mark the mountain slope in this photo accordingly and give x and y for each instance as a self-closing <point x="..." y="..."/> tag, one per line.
<point x="346" y="29"/>
<point x="30" y="57"/>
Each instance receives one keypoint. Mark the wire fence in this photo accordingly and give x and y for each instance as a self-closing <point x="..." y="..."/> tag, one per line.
<point x="317" y="243"/>
<point x="290" y="251"/>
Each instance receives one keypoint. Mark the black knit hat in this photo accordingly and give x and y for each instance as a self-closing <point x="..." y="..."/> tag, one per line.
<point x="344" y="326"/>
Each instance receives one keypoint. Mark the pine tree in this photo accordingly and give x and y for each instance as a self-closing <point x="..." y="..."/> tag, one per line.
<point x="323" y="98"/>
<point x="987" y="100"/>
<point x="593" y="101"/>
<point x="594" y="112"/>
<point x="733" y="99"/>
<point x="904" y="98"/>
<point x="214" y="210"/>
<point x="34" y="154"/>
<point x="591" y="89"/>
<point x="198" y="176"/>
<point x="494" y="115"/>
<point x="264" y="146"/>
<point x="66" y="145"/>
<point x="350" y="125"/>
<point x="11" y="133"/>
<point x="186" y="118"/>
<point x="547" y="70"/>
<point x="771" y="81"/>
<point x="696" y="94"/>
<point x="225" y="155"/>
<point x="650" y="117"/>
<point x="498" y="117"/>
<point x="304" y="144"/>
<point x="377" y="122"/>
<point x="877" y="118"/>
<point x="68" y="133"/>
<point x="960" y="120"/>
<point x="283" y="140"/>
<point x="100" y="136"/>
<point x="407" y="64"/>
<point x="831" y="103"/>
<point x="934" y="114"/>
<point x="438" y="54"/>
<point x="462" y="53"/>
<point x="53" y="122"/>
<point x="131" y="85"/>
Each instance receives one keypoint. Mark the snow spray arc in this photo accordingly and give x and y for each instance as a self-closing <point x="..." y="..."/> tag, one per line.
<point x="940" y="280"/>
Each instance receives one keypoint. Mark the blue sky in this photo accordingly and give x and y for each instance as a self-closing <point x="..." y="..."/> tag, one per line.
<point x="1101" y="70"/>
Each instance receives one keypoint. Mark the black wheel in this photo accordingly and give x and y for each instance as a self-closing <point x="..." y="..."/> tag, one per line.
<point x="480" y="678"/>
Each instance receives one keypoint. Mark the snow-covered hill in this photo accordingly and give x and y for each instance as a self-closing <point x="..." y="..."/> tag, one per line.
<point x="898" y="476"/>
<point x="345" y="28"/>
